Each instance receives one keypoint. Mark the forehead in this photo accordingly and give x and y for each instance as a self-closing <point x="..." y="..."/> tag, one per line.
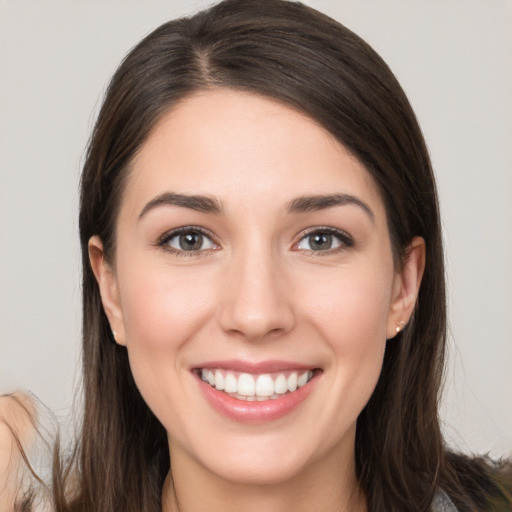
<point x="239" y="146"/>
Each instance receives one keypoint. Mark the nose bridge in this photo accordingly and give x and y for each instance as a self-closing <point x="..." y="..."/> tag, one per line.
<point x="256" y="302"/>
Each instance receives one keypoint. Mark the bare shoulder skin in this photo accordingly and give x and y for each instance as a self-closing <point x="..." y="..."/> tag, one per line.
<point x="17" y="429"/>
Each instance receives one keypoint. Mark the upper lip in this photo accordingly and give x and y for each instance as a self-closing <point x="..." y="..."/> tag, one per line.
<point x="260" y="367"/>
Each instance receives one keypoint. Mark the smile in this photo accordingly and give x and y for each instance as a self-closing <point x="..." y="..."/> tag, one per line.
<point x="255" y="393"/>
<point x="251" y="387"/>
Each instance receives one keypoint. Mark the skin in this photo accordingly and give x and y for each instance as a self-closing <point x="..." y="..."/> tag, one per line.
<point x="17" y="429"/>
<point x="257" y="292"/>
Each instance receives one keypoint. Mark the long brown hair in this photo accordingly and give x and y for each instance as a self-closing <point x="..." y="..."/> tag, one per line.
<point x="298" y="56"/>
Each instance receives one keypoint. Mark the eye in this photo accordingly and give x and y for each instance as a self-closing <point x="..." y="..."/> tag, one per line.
<point x="187" y="240"/>
<point x="323" y="240"/>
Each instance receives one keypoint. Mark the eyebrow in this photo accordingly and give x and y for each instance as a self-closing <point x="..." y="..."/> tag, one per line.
<point x="312" y="203"/>
<point x="204" y="204"/>
<point x="302" y="204"/>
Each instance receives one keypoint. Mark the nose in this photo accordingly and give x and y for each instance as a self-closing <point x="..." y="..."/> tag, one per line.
<point x="257" y="303"/>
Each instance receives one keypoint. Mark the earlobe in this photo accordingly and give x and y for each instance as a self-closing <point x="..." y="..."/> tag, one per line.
<point x="406" y="287"/>
<point x="107" y="284"/>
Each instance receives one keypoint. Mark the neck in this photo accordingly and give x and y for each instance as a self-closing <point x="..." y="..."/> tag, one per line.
<point x="318" y="489"/>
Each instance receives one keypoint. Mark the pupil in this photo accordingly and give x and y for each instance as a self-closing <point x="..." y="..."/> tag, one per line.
<point x="191" y="241"/>
<point x="320" y="241"/>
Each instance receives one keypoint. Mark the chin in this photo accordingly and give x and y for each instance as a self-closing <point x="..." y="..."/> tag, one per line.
<point x="259" y="472"/>
<point x="263" y="459"/>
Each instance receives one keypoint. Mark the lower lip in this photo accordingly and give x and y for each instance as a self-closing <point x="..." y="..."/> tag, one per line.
<point x="255" y="412"/>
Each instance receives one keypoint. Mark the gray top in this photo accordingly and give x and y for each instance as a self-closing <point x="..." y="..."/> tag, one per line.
<point x="443" y="503"/>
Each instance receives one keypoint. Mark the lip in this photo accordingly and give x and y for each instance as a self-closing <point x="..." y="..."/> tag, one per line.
<point x="238" y="365"/>
<point x="255" y="412"/>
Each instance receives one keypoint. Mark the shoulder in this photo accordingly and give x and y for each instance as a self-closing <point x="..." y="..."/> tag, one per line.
<point x="478" y="483"/>
<point x="17" y="428"/>
<point x="17" y="424"/>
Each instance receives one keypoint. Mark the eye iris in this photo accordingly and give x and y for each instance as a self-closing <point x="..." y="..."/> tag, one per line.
<point x="320" y="241"/>
<point x="191" y="241"/>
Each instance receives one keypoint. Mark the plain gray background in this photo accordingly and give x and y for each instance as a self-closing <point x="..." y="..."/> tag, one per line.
<point x="454" y="59"/>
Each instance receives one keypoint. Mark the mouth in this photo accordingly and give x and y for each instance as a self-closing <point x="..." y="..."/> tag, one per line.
<point x="259" y="387"/>
<point x="256" y="393"/>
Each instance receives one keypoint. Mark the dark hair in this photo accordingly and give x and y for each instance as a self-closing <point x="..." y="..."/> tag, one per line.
<point x="302" y="58"/>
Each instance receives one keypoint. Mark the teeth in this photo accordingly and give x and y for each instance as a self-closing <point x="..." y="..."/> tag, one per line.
<point x="219" y="381"/>
<point x="292" y="382"/>
<point x="280" y="385"/>
<point x="302" y="380"/>
<point x="230" y="383"/>
<point x="265" y="385"/>
<point x="255" y="387"/>
<point x="246" y="385"/>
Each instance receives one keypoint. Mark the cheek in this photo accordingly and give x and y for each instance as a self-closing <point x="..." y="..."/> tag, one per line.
<point x="351" y="307"/>
<point x="162" y="309"/>
<point x="351" y="315"/>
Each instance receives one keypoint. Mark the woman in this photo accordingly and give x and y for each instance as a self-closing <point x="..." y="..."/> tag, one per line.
<point x="264" y="309"/>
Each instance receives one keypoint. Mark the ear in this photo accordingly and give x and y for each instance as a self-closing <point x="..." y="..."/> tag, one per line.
<point x="406" y="287"/>
<point x="107" y="283"/>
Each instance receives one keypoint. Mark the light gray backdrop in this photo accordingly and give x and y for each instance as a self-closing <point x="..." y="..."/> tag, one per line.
<point x="454" y="59"/>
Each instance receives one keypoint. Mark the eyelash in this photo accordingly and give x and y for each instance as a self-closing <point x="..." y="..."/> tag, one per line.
<point x="167" y="237"/>
<point x="345" y="240"/>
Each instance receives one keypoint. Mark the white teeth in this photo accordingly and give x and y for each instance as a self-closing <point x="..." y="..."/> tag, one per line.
<point x="219" y="381"/>
<point x="303" y="379"/>
<point x="246" y="385"/>
<point x="264" y="385"/>
<point x="292" y="382"/>
<point x="230" y="383"/>
<point x="281" y="385"/>
<point x="251" y="387"/>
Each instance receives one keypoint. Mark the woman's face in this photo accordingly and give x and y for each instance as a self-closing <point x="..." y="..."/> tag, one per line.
<point x="253" y="286"/>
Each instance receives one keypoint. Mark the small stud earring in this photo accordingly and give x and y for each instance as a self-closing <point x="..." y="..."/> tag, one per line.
<point x="114" y="333"/>
<point x="399" y="326"/>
